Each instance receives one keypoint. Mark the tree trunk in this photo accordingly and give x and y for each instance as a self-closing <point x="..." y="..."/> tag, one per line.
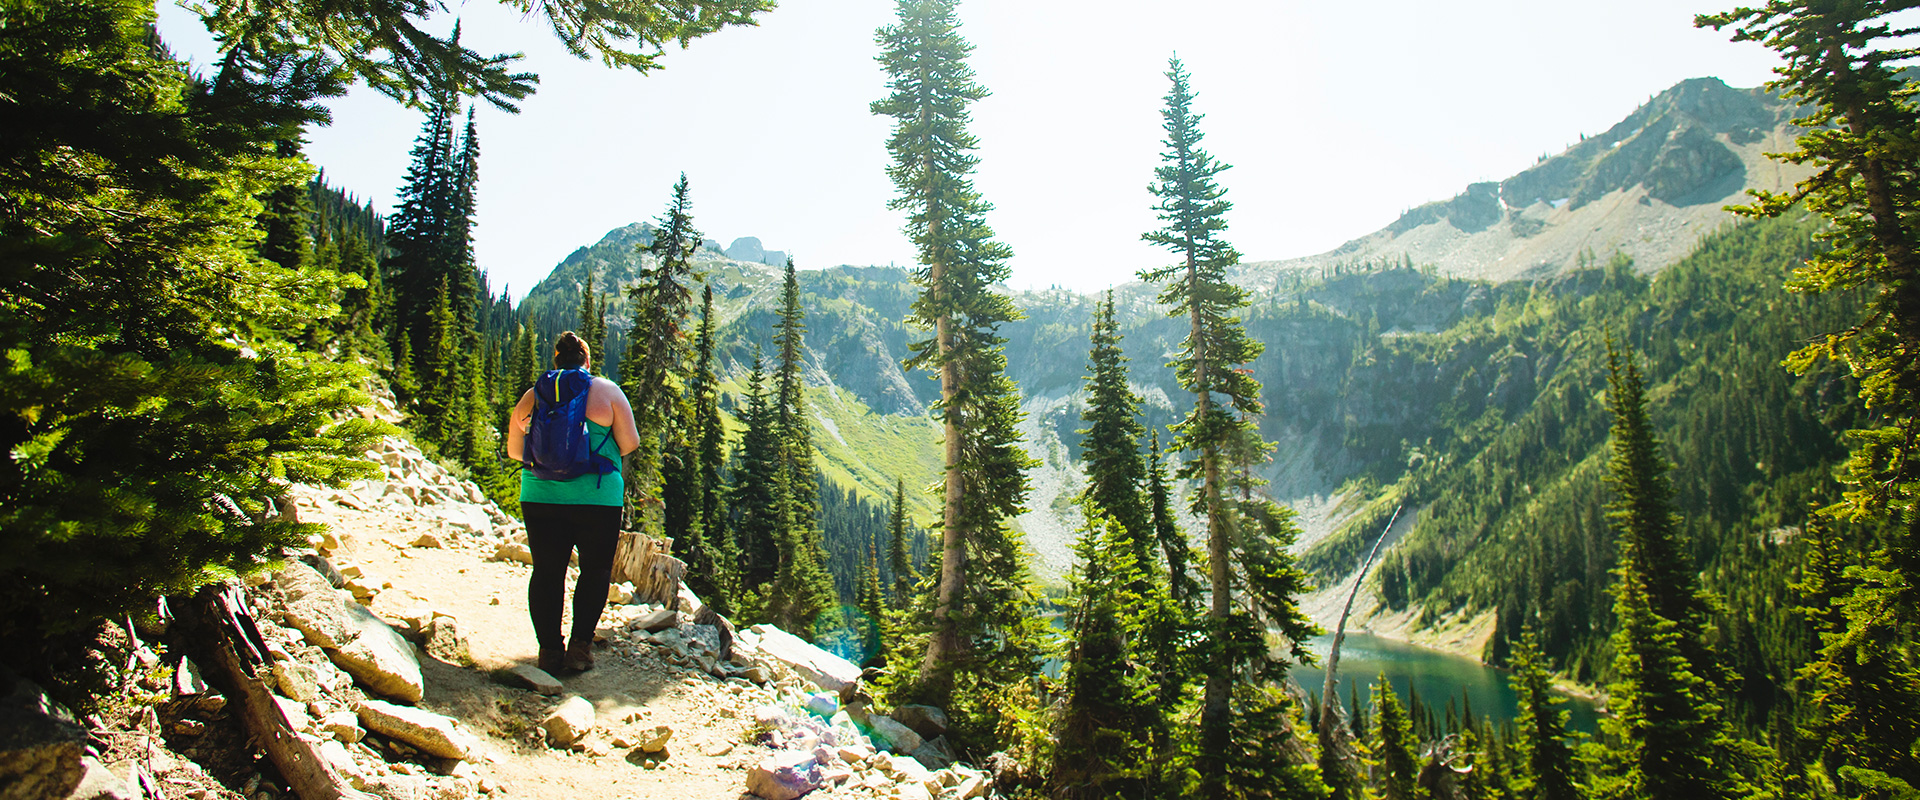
<point x="936" y="668"/>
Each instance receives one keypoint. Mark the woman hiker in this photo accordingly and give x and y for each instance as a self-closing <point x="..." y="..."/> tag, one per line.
<point x="570" y="500"/>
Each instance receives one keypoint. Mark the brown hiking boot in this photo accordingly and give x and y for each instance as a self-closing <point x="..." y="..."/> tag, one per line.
<point x="580" y="656"/>
<point x="550" y="660"/>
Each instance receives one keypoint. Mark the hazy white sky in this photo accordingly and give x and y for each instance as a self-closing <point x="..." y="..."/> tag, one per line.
<point x="1336" y="116"/>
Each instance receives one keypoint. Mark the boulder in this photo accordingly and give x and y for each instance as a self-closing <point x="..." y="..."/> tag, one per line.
<point x="659" y="619"/>
<point x="355" y="639"/>
<point x="99" y="783"/>
<point x="428" y="540"/>
<point x="445" y="642"/>
<point x="343" y="726"/>
<point x="689" y="602"/>
<point x="572" y="720"/>
<point x="784" y="776"/>
<point x="619" y="593"/>
<point x="824" y="669"/>
<point x="512" y="551"/>
<point x="297" y="680"/>
<point x="379" y="659"/>
<point x="537" y="679"/>
<point x="424" y="730"/>
<point x="823" y="704"/>
<point x="892" y="735"/>
<point x="928" y="721"/>
<point x="935" y="753"/>
<point x="40" y="756"/>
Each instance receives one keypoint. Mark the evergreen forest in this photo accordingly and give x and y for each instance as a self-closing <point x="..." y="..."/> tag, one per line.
<point x="1097" y="534"/>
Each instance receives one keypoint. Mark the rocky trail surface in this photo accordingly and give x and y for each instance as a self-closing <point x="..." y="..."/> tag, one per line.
<point x="398" y="650"/>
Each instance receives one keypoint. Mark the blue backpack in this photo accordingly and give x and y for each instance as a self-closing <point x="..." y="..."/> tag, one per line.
<point x="557" y="448"/>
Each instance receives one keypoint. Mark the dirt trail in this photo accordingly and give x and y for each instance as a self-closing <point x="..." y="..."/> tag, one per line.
<point x="631" y="688"/>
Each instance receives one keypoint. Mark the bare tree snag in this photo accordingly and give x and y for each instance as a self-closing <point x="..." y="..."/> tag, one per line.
<point x="219" y="635"/>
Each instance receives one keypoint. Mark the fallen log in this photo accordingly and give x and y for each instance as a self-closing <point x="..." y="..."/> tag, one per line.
<point x="216" y="631"/>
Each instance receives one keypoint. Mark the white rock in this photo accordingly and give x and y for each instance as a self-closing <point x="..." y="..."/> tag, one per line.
<point x="655" y="740"/>
<point x="512" y="551"/>
<point x="426" y="731"/>
<point x="343" y="726"/>
<point x="824" y="669"/>
<point x="537" y="679"/>
<point x="354" y="639"/>
<point x="572" y="720"/>
<point x="784" y="776"/>
<point x="896" y="737"/>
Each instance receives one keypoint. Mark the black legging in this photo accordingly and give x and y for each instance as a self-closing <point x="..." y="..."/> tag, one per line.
<point x="553" y="531"/>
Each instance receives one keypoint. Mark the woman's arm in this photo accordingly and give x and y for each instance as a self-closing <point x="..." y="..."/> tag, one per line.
<point x="626" y="433"/>
<point x="517" y="422"/>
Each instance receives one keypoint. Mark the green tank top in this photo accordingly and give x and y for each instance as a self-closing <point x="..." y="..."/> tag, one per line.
<point x="587" y="490"/>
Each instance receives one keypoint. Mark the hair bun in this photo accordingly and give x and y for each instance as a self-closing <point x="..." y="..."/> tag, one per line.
<point x="570" y="351"/>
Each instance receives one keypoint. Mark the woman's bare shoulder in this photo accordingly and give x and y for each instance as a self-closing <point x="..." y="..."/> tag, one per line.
<point x="602" y="386"/>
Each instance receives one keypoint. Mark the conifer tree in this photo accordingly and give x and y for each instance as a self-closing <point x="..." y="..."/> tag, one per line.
<point x="384" y="45"/>
<point x="1548" y="769"/>
<point x="713" y="560"/>
<point x="1394" y="744"/>
<point x="1862" y="690"/>
<point x="899" y="549"/>
<point x="1173" y="542"/>
<point x="802" y="589"/>
<point x="420" y="234"/>
<point x="1844" y="62"/>
<point x="653" y="371"/>
<point x="1111" y="444"/>
<point x="1847" y="63"/>
<point x="593" y="321"/>
<point x="1247" y="538"/>
<point x="288" y="240"/>
<point x="980" y="623"/>
<point x="1668" y="734"/>
<point x="871" y="603"/>
<point x="154" y="411"/>
<point x="1110" y="716"/>
<point x="757" y="488"/>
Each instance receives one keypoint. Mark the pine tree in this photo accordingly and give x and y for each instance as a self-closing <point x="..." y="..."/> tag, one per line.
<point x="653" y="371"/>
<point x="713" y="559"/>
<point x="1247" y="537"/>
<point x="1111" y="444"/>
<point x="1863" y="691"/>
<point x="1107" y="731"/>
<point x="419" y="236"/>
<point x="1173" y="542"/>
<point x="980" y="622"/>
<point x="169" y="471"/>
<point x="285" y="220"/>
<point x="1846" y="63"/>
<point x="593" y="321"/>
<point x="1394" y="744"/>
<point x="384" y="45"/>
<point x="465" y="206"/>
<point x="802" y="589"/>
<point x="1668" y="736"/>
<point x="757" y="488"/>
<point x="1548" y="767"/>
<point x="872" y="605"/>
<point x="899" y="549"/>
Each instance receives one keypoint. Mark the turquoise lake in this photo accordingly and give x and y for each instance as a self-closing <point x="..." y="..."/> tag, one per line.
<point x="1437" y="676"/>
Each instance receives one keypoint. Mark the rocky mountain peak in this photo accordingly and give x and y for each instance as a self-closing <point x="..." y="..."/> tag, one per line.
<point x="1649" y="187"/>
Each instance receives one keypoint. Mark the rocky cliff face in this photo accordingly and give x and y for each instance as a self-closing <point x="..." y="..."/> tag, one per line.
<point x="1649" y="187"/>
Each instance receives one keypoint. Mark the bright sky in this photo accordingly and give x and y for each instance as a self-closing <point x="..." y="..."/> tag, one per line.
<point x="1336" y="116"/>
